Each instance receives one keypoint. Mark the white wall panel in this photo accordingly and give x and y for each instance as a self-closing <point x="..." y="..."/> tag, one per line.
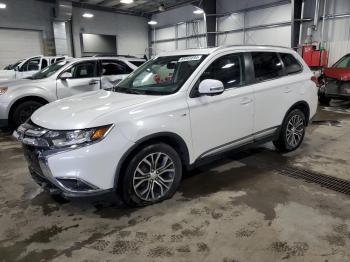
<point x="198" y="42"/>
<point x="196" y="27"/>
<point x="231" y="39"/>
<point x="269" y="15"/>
<point x="280" y="36"/>
<point x="165" y="47"/>
<point x="181" y="30"/>
<point x="181" y="44"/>
<point x="131" y="31"/>
<point x="19" y="44"/>
<point x="231" y="22"/>
<point x="165" y="33"/>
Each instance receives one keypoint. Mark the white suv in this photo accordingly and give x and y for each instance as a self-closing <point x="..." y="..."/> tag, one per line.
<point x="20" y="98"/>
<point x="172" y="113"/>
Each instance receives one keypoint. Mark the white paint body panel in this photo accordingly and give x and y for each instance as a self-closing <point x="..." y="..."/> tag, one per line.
<point x="204" y="123"/>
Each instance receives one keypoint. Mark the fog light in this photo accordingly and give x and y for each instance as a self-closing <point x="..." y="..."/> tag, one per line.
<point x="76" y="184"/>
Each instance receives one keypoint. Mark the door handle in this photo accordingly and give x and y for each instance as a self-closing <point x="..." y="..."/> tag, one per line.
<point x="93" y="82"/>
<point x="246" y="101"/>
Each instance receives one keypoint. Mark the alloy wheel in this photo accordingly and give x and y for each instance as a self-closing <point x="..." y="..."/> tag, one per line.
<point x="154" y="176"/>
<point x="295" y="130"/>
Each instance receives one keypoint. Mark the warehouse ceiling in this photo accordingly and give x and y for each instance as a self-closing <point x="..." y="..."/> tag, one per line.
<point x="137" y="7"/>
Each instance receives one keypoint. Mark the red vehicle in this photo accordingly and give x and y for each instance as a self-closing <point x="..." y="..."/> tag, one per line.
<point x="335" y="81"/>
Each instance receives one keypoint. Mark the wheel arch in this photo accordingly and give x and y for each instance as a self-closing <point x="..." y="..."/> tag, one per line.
<point x="169" y="138"/>
<point x="25" y="99"/>
<point x="303" y="106"/>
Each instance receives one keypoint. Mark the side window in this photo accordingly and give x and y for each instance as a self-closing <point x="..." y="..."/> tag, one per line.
<point x="44" y="63"/>
<point x="31" y="65"/>
<point x="83" y="70"/>
<point x="291" y="64"/>
<point x="126" y="68"/>
<point x="112" y="67"/>
<point x="228" y="69"/>
<point x="59" y="59"/>
<point x="267" y="65"/>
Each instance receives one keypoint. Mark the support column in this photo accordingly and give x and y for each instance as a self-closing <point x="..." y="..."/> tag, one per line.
<point x="209" y="7"/>
<point x="296" y="21"/>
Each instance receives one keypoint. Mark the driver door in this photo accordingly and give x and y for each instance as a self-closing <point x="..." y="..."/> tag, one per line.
<point x="223" y="121"/>
<point x="29" y="68"/>
<point x="84" y="78"/>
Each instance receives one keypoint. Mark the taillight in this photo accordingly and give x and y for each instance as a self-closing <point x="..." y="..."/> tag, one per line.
<point x="315" y="80"/>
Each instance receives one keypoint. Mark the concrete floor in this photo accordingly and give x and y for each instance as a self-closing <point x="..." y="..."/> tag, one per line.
<point x="236" y="209"/>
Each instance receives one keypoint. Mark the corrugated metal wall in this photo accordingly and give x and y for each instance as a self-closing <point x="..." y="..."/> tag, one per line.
<point x="258" y="27"/>
<point x="171" y="38"/>
<point x="336" y="32"/>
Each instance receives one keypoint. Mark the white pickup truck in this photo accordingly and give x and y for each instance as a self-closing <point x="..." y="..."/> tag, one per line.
<point x="28" y="67"/>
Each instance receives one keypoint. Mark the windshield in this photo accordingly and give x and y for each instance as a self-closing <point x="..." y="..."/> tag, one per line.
<point x="50" y="70"/>
<point x="344" y="62"/>
<point x="10" y="67"/>
<point x="160" y="76"/>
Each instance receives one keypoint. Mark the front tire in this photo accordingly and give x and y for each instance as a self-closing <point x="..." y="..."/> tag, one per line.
<point x="292" y="132"/>
<point x="23" y="111"/>
<point x="152" y="175"/>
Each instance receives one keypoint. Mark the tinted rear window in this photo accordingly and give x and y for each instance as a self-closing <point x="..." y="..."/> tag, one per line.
<point x="137" y="63"/>
<point x="291" y="64"/>
<point x="267" y="65"/>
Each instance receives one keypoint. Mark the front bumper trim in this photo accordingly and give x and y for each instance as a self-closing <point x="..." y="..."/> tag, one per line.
<point x="64" y="190"/>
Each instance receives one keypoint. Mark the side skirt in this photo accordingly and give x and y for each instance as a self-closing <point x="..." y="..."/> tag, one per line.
<point x="205" y="159"/>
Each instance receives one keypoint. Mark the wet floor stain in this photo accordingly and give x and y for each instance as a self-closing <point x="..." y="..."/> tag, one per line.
<point x="236" y="201"/>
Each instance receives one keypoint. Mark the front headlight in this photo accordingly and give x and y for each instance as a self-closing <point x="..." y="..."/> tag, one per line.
<point x="3" y="90"/>
<point x="61" y="139"/>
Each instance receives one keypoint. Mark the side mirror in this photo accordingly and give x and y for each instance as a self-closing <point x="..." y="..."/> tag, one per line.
<point x="16" y="68"/>
<point x="211" y="87"/>
<point x="66" y="75"/>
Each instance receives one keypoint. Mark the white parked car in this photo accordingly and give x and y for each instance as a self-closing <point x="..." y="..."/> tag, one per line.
<point x="20" y="98"/>
<point x="28" y="67"/>
<point x="172" y="113"/>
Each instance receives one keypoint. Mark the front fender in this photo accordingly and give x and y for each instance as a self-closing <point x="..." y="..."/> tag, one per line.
<point x="9" y="99"/>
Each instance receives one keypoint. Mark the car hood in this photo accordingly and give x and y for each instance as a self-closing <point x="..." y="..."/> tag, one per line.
<point x="18" y="82"/>
<point x="342" y="74"/>
<point x="87" y="110"/>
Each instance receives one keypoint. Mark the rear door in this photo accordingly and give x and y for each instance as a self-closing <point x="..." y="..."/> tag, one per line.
<point x="112" y="72"/>
<point x="84" y="79"/>
<point x="275" y="90"/>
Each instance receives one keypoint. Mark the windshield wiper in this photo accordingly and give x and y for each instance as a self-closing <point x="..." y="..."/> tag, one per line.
<point x="129" y="91"/>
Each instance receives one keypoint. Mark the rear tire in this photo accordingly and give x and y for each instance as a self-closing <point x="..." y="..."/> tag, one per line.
<point x="23" y="111"/>
<point x="152" y="175"/>
<point x="292" y="132"/>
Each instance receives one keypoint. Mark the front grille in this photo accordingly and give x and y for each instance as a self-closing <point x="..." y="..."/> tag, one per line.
<point x="32" y="157"/>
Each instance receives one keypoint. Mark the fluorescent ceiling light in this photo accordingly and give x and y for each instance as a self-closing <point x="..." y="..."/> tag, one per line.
<point x="198" y="11"/>
<point x="88" y="15"/>
<point x="152" y="22"/>
<point x="126" y="1"/>
<point x="2" y="6"/>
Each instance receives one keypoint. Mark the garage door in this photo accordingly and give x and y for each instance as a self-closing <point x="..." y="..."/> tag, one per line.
<point x="18" y="44"/>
